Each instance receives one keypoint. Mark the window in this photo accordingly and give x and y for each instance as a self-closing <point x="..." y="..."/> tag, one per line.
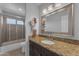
<point x="20" y="22"/>
<point x="11" y="21"/>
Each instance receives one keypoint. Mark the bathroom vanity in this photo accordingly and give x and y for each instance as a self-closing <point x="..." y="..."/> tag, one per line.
<point x="61" y="47"/>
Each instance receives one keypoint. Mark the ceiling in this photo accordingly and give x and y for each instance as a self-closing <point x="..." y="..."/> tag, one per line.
<point x="37" y="4"/>
<point x="18" y="9"/>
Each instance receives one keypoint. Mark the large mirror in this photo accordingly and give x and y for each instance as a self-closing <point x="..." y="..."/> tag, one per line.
<point x="59" y="21"/>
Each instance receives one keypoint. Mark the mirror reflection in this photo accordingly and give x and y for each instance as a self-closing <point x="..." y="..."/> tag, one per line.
<point x="59" y="21"/>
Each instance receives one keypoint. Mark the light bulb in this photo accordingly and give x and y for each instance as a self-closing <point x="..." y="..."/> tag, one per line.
<point x="44" y="11"/>
<point x="50" y="7"/>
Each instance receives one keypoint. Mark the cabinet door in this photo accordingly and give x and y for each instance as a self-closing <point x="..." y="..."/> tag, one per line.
<point x="34" y="49"/>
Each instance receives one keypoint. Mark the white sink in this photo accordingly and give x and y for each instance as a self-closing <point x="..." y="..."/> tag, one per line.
<point x="48" y="42"/>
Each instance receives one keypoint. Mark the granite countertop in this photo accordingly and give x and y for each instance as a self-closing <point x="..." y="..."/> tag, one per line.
<point x="60" y="47"/>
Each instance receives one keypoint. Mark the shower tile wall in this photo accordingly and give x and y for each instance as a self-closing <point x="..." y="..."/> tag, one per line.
<point x="11" y="29"/>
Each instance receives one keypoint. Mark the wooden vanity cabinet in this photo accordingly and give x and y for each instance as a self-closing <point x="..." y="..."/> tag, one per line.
<point x="37" y="50"/>
<point x="33" y="49"/>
